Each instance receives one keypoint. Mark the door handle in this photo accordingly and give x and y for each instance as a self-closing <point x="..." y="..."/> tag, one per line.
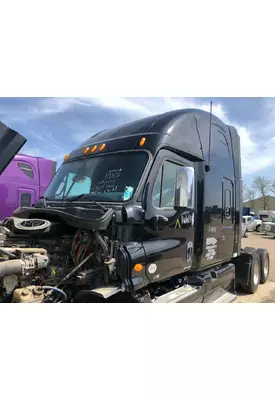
<point x="189" y="251"/>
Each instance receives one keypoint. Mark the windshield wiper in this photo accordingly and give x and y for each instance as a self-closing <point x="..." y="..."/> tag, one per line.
<point x="75" y="198"/>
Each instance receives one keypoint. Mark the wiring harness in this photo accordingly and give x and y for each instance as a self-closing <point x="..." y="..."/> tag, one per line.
<point x="80" y="246"/>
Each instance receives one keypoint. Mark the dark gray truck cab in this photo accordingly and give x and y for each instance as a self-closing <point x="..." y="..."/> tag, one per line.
<point x="174" y="209"/>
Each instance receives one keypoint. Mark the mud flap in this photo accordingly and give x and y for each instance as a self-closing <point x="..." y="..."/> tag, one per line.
<point x="243" y="266"/>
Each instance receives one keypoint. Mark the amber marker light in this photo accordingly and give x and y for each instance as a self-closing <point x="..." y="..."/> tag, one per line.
<point x="93" y="149"/>
<point x="138" y="267"/>
<point x="142" y="141"/>
<point x="85" y="151"/>
<point x="102" y="147"/>
<point x="66" y="157"/>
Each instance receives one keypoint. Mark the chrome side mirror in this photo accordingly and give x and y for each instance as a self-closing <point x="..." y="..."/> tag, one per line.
<point x="184" y="190"/>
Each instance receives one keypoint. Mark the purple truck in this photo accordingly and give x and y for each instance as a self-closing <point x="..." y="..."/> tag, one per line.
<point x="23" y="178"/>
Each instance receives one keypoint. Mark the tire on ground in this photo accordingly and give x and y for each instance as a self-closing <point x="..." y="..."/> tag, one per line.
<point x="258" y="227"/>
<point x="255" y="274"/>
<point x="265" y="264"/>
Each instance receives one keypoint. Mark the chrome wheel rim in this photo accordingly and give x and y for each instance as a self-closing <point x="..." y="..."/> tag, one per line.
<point x="266" y="267"/>
<point x="256" y="274"/>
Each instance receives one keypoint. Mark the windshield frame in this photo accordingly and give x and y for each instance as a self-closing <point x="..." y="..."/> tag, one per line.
<point x="137" y="195"/>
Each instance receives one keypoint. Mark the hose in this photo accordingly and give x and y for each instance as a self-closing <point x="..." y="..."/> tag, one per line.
<point x="74" y="270"/>
<point x="101" y="242"/>
<point x="10" y="267"/>
<point x="25" y="250"/>
<point x="56" y="290"/>
<point x="7" y="253"/>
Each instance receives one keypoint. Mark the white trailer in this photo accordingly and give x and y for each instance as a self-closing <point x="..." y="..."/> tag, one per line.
<point x="266" y="215"/>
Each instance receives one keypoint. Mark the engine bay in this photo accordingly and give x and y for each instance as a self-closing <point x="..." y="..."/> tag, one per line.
<point x="44" y="261"/>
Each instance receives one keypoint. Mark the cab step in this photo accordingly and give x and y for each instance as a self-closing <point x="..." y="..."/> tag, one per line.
<point x="226" y="298"/>
<point x="191" y="294"/>
<point x="181" y="294"/>
<point x="221" y="295"/>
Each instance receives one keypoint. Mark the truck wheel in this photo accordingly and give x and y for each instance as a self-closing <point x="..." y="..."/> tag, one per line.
<point x="255" y="274"/>
<point x="265" y="264"/>
<point x="258" y="227"/>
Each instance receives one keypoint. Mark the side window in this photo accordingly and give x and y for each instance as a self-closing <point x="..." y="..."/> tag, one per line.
<point x="164" y="187"/>
<point x="27" y="169"/>
<point x="25" y="200"/>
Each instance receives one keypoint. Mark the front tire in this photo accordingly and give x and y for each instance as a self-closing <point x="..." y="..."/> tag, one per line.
<point x="258" y="227"/>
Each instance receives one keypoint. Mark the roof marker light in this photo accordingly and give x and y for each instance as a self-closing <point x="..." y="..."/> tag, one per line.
<point x="66" y="157"/>
<point x="93" y="149"/>
<point x="85" y="151"/>
<point x="142" y="141"/>
<point x="102" y="147"/>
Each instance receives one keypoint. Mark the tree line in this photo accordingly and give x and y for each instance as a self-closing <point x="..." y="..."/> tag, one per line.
<point x="261" y="187"/>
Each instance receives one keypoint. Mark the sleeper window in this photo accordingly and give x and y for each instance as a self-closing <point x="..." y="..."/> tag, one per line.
<point x="26" y="169"/>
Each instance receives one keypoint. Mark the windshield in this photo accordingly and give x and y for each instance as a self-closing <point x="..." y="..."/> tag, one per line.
<point x="110" y="177"/>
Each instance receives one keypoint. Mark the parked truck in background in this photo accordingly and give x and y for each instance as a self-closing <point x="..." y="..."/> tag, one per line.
<point x="244" y="229"/>
<point x="150" y="211"/>
<point x="266" y="215"/>
<point x="252" y="223"/>
<point x="23" y="182"/>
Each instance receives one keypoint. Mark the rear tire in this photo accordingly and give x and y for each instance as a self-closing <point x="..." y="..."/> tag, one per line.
<point x="255" y="274"/>
<point x="265" y="264"/>
<point x="258" y="227"/>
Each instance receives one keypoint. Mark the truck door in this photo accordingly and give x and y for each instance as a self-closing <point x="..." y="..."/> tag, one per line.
<point x="25" y="197"/>
<point x="226" y="241"/>
<point x="168" y="242"/>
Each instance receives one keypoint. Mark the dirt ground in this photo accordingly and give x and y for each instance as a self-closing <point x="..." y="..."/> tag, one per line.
<point x="266" y="292"/>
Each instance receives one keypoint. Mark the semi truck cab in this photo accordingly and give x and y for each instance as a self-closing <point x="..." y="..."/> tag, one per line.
<point x="23" y="182"/>
<point x="23" y="178"/>
<point x="160" y="199"/>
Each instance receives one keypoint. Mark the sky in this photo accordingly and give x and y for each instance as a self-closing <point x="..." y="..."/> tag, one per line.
<point x="55" y="126"/>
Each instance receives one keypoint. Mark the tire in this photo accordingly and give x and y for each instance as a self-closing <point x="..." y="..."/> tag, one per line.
<point x="258" y="227"/>
<point x="265" y="264"/>
<point x="255" y="274"/>
<point x="245" y="234"/>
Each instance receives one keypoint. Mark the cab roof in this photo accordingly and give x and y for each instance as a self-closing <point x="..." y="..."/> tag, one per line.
<point x="166" y="123"/>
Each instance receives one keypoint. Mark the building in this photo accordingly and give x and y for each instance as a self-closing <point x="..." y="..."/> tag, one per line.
<point x="258" y="204"/>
